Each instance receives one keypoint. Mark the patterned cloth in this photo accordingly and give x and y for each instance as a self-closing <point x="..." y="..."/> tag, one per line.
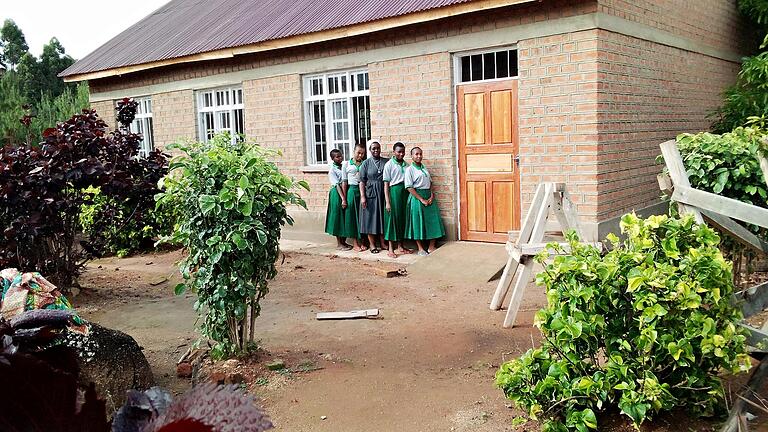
<point x="23" y="292"/>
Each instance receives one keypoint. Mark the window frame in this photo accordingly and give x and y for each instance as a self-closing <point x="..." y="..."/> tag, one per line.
<point x="232" y="105"/>
<point x="144" y="117"/>
<point x="457" y="68"/>
<point x="348" y="96"/>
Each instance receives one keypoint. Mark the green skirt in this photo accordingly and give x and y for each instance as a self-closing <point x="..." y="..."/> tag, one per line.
<point x="352" y="212"/>
<point x="423" y="222"/>
<point x="334" y="216"/>
<point x="394" y="220"/>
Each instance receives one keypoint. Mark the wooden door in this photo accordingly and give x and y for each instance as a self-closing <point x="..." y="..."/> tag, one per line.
<point x="489" y="179"/>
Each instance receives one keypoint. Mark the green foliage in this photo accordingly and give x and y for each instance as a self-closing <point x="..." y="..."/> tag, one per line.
<point x="12" y="43"/>
<point x="133" y="234"/>
<point x="233" y="204"/>
<point x="747" y="98"/>
<point x="48" y="110"/>
<point x="756" y="10"/>
<point x="643" y="329"/>
<point x="726" y="164"/>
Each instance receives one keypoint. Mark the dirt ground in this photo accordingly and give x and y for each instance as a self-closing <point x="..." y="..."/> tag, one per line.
<point x="427" y="364"/>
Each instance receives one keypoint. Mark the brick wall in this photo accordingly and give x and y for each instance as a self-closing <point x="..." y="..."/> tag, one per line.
<point x="173" y="117"/>
<point x="273" y="118"/>
<point x="716" y="23"/>
<point x="412" y="102"/>
<point x="558" y="82"/>
<point x="106" y="110"/>
<point x="647" y="93"/>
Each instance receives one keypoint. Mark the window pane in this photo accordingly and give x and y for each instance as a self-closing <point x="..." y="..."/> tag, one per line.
<point x="317" y="120"/>
<point x="239" y="122"/>
<point x="502" y="64"/>
<point x="341" y="131"/>
<point x="361" y="117"/>
<point x="207" y="100"/>
<point x="343" y="84"/>
<point x="489" y="66"/>
<point x="333" y="85"/>
<point x="149" y="137"/>
<point x="513" y="63"/>
<point x="477" y="67"/>
<point x="465" y="69"/>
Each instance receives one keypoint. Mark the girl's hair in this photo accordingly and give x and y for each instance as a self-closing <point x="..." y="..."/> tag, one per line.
<point x="335" y="152"/>
<point x="414" y="149"/>
<point x="398" y="145"/>
<point x="360" y="145"/>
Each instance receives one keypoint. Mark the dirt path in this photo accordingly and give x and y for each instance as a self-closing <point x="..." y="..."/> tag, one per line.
<point x="426" y="365"/>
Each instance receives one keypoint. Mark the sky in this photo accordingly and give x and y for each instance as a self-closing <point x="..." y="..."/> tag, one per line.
<point x="81" y="26"/>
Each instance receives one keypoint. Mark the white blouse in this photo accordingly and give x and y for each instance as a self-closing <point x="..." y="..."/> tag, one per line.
<point x="417" y="178"/>
<point x="394" y="173"/>
<point x="350" y="173"/>
<point x="334" y="175"/>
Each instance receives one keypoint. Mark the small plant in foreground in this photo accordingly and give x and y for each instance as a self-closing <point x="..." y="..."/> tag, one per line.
<point x="232" y="200"/>
<point x="643" y="329"/>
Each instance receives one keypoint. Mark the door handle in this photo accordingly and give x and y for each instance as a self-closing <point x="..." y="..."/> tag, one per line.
<point x="517" y="160"/>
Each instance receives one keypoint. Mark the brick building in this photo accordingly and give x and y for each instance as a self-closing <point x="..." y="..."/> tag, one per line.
<point x="500" y="94"/>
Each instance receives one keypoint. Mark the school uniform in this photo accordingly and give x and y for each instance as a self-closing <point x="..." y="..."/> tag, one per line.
<point x="394" y="220"/>
<point x="350" y="173"/>
<point x="372" y="216"/>
<point x="423" y="222"/>
<point x="334" y="215"/>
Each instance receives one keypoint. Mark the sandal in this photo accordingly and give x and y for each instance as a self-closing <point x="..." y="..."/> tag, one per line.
<point x="375" y="250"/>
<point x="391" y="254"/>
<point x="422" y="253"/>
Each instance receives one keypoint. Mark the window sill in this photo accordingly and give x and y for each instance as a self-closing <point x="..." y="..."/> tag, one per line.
<point x="314" y="169"/>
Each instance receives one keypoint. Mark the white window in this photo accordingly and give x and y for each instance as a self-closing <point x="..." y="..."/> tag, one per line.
<point x="142" y="124"/>
<point x="337" y="113"/>
<point x="220" y="110"/>
<point x="487" y="66"/>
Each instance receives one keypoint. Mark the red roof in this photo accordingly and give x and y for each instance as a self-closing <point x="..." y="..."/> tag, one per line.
<point x="186" y="27"/>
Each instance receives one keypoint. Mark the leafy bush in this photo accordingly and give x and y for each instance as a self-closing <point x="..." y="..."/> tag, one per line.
<point x="232" y="202"/>
<point x="42" y="192"/>
<point x="747" y="98"/>
<point x="142" y="226"/>
<point x="726" y="164"/>
<point x="643" y="329"/>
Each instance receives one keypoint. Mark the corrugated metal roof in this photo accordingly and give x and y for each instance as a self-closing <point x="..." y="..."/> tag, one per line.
<point x="186" y="27"/>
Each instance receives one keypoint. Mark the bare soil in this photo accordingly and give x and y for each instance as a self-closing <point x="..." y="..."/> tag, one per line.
<point x="426" y="364"/>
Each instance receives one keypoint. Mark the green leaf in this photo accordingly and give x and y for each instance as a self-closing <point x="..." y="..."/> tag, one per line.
<point x="589" y="418"/>
<point x="245" y="207"/>
<point x="261" y="236"/>
<point x="238" y="240"/>
<point x="244" y="183"/>
<point x="207" y="203"/>
<point x="179" y="289"/>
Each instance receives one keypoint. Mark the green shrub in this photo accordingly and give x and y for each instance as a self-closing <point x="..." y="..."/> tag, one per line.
<point x="119" y="229"/>
<point x="233" y="203"/>
<point x="726" y="164"/>
<point x="643" y="329"/>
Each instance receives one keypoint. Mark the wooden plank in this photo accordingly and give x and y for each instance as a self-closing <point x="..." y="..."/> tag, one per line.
<point x="355" y="314"/>
<point x="757" y="339"/>
<point x="679" y="175"/>
<point x="524" y="236"/>
<point x="530" y="249"/>
<point x="501" y="116"/>
<point x="476" y="207"/>
<point x="738" y="232"/>
<point x="764" y="167"/>
<point x="503" y="206"/>
<point x="752" y="300"/>
<point x="753" y="385"/>
<point x="524" y="274"/>
<point x="474" y="116"/>
<point x="719" y="204"/>
<point x="490" y="162"/>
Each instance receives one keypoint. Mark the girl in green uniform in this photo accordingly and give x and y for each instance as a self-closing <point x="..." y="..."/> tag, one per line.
<point x="423" y="222"/>
<point x="396" y="199"/>
<point x="337" y="202"/>
<point x="350" y="179"/>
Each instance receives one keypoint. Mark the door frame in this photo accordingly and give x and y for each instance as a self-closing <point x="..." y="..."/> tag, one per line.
<point x="456" y="73"/>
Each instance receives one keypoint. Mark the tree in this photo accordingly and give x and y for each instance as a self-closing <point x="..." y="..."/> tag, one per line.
<point x="53" y="60"/>
<point x="13" y="44"/>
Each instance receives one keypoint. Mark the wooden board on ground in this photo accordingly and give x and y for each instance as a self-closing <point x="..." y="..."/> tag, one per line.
<point x="355" y="314"/>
